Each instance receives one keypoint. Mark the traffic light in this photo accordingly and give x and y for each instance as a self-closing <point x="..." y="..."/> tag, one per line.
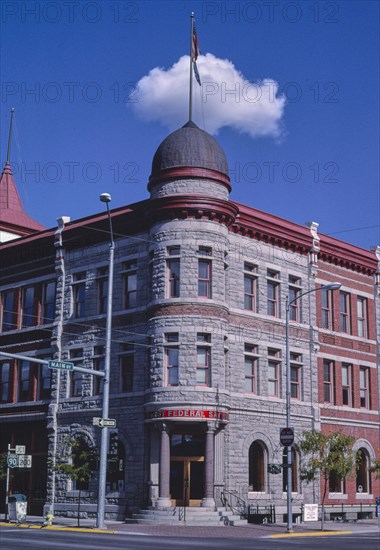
<point x="113" y="444"/>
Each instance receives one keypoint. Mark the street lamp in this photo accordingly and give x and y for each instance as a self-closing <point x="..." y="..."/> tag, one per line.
<point x="105" y="197"/>
<point x="330" y="286"/>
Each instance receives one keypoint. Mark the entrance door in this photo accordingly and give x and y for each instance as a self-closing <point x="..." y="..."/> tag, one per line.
<point x="186" y="480"/>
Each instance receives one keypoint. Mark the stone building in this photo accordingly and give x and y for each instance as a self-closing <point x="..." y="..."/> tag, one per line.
<point x="198" y="344"/>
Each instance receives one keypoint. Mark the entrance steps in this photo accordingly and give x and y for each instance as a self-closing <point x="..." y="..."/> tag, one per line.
<point x="180" y="515"/>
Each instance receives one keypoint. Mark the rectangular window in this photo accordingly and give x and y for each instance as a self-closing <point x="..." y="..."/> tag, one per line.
<point x="173" y="272"/>
<point x="327" y="309"/>
<point x="24" y="385"/>
<point x="127" y="366"/>
<point x="76" y="377"/>
<point x="296" y="375"/>
<point x="5" y="376"/>
<point x="364" y="388"/>
<point x="336" y="483"/>
<point x="274" y="364"/>
<point x="273" y="293"/>
<point x="345" y="312"/>
<point x="328" y="381"/>
<point x="294" y="293"/>
<point x="48" y="302"/>
<point x="44" y="381"/>
<point x="9" y="310"/>
<point x="79" y="294"/>
<point x="29" y="305"/>
<point x="98" y="364"/>
<point x="204" y="278"/>
<point x="250" y="286"/>
<point x="102" y="279"/>
<point x="171" y="352"/>
<point x="362" y="308"/>
<point x="251" y="359"/>
<point x="203" y="377"/>
<point x="347" y="389"/>
<point x="130" y="284"/>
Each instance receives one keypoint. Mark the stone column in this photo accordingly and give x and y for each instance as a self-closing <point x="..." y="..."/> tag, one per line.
<point x="163" y="500"/>
<point x="208" y="499"/>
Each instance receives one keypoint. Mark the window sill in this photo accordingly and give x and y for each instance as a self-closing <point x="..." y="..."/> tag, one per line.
<point x="337" y="496"/>
<point x="364" y="496"/>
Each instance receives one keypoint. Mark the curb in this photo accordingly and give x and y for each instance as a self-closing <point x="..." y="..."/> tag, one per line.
<point x="309" y="534"/>
<point x="59" y="528"/>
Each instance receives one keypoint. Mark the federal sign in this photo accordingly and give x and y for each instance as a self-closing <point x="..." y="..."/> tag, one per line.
<point x="104" y="422"/>
<point x="12" y="461"/>
<point x="20" y="449"/>
<point x="286" y="436"/>
<point x="62" y="365"/>
<point x="25" y="461"/>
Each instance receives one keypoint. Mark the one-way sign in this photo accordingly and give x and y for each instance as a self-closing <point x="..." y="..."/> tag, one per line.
<point x="104" y="422"/>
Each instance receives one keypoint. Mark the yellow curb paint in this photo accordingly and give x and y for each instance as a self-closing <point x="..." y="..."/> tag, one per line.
<point x="56" y="528"/>
<point x="310" y="534"/>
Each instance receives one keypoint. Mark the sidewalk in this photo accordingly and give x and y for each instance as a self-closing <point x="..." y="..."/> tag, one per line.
<point x="246" y="531"/>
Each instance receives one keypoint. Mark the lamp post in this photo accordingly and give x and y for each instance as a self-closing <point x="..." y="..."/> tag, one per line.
<point x="105" y="197"/>
<point x="330" y="286"/>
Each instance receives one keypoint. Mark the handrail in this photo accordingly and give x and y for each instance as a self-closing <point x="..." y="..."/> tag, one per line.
<point x="234" y="502"/>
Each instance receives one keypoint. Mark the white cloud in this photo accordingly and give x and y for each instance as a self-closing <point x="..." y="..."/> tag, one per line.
<point x="226" y="98"/>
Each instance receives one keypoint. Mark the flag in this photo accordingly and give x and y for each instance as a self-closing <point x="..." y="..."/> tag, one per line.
<point x="194" y="54"/>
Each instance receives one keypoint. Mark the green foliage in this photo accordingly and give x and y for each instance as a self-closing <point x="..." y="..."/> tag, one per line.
<point x="375" y="467"/>
<point x="83" y="461"/>
<point x="327" y="454"/>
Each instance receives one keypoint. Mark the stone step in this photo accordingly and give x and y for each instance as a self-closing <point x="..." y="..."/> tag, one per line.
<point x="187" y="516"/>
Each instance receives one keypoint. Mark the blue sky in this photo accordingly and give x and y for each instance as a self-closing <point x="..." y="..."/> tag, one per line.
<point x="86" y="123"/>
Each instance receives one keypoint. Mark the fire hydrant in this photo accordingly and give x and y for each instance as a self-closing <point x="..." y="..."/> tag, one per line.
<point x="48" y="520"/>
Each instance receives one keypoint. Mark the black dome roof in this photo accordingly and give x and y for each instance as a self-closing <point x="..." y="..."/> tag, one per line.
<point x="190" y="147"/>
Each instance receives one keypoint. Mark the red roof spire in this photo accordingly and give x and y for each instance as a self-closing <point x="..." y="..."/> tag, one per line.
<point x="13" y="218"/>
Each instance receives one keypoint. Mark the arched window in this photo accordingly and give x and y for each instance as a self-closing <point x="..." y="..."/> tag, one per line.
<point x="294" y="470"/>
<point x="257" y="466"/>
<point x="363" y="477"/>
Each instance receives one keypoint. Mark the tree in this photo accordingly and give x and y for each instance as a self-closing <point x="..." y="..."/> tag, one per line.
<point x="375" y="467"/>
<point x="81" y="465"/>
<point x="327" y="455"/>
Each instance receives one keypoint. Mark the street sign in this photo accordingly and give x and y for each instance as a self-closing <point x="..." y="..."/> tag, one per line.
<point x="12" y="461"/>
<point x="20" y="449"/>
<point x="286" y="436"/>
<point x="104" y="422"/>
<point x="62" y="365"/>
<point x="25" y="461"/>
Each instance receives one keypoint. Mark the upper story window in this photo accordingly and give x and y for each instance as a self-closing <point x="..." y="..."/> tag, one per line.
<point x="328" y="381"/>
<point x="173" y="271"/>
<point x="127" y="367"/>
<point x="203" y="374"/>
<point x="294" y="294"/>
<point x="362" y="311"/>
<point x="5" y="379"/>
<point x="76" y="377"/>
<point x="102" y="283"/>
<point x="274" y="373"/>
<point x="24" y="381"/>
<point x="250" y="287"/>
<point x="48" y="302"/>
<point x="251" y="359"/>
<point x="29" y="306"/>
<point x="364" y="378"/>
<point x="345" y="312"/>
<point x="327" y="315"/>
<point x="296" y="375"/>
<point x="273" y="293"/>
<point x="130" y="283"/>
<point x="171" y="351"/>
<point x="44" y="381"/>
<point x="9" y="309"/>
<point x="79" y="294"/>
<point x="347" y="387"/>
<point x="204" y="272"/>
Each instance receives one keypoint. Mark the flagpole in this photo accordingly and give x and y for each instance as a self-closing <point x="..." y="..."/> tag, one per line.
<point x="191" y="67"/>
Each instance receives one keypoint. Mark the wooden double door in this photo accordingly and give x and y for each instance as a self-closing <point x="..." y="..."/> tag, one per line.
<point x="186" y="480"/>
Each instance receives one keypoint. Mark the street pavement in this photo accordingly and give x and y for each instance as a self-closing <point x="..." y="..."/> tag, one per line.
<point x="243" y="531"/>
